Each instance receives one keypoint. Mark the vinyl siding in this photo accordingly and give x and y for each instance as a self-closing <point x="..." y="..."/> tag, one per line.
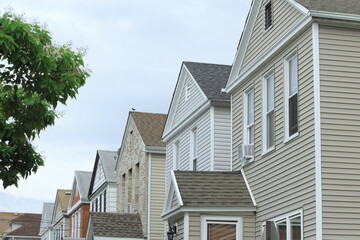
<point x="174" y="202"/>
<point x="285" y="16"/>
<point x="111" y="198"/>
<point x="282" y="180"/>
<point x="157" y="196"/>
<point x="340" y="131"/>
<point x="204" y="145"/>
<point x="194" y="226"/>
<point x="222" y="139"/>
<point x="99" y="176"/>
<point x="196" y="99"/>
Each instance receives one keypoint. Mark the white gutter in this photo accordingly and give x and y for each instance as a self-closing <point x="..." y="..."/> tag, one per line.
<point x="337" y="16"/>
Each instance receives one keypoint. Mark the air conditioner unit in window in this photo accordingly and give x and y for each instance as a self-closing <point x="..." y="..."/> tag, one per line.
<point x="245" y="153"/>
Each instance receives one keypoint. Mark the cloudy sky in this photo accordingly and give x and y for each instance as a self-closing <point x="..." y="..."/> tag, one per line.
<point x="135" y="50"/>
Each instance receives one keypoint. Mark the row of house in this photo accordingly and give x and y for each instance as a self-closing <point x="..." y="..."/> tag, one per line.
<point x="267" y="148"/>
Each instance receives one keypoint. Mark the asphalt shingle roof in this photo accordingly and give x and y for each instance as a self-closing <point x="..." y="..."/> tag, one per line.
<point x="47" y="211"/>
<point x="5" y="217"/>
<point x="211" y="78"/>
<point x="213" y="189"/>
<point x="83" y="182"/>
<point x="108" y="160"/>
<point x="121" y="225"/>
<point x="335" y="6"/>
<point x="150" y="126"/>
<point x="31" y="225"/>
<point x="63" y="198"/>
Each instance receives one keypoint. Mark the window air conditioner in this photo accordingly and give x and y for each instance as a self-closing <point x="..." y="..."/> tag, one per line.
<point x="245" y="153"/>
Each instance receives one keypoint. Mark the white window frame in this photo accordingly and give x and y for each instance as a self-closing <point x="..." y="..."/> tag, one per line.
<point x="245" y="115"/>
<point x="288" y="217"/>
<point x="265" y="78"/>
<point x="206" y="219"/>
<point x="176" y="155"/>
<point x="287" y="59"/>
<point x="193" y="147"/>
<point x="79" y="223"/>
<point x="187" y="91"/>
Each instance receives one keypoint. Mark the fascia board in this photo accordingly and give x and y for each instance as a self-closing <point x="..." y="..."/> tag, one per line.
<point x="177" y="191"/>
<point x="175" y="100"/>
<point x="284" y="41"/>
<point x="244" y="41"/>
<point x="122" y="143"/>
<point x="299" y="7"/>
<point x="98" y="191"/>
<point x="200" y="110"/>
<point x="155" y="149"/>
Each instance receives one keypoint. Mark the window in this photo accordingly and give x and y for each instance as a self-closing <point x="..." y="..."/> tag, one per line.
<point x="193" y="149"/>
<point x="288" y="227"/>
<point x="291" y="95"/>
<point x="221" y="228"/>
<point x="268" y="15"/>
<point x="105" y="200"/>
<point x="249" y="116"/>
<point x="176" y="156"/>
<point x="187" y="92"/>
<point x="268" y="112"/>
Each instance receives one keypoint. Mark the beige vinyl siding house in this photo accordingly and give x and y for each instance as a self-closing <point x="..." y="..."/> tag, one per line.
<point x="141" y="172"/>
<point x="340" y="130"/>
<point x="309" y="176"/>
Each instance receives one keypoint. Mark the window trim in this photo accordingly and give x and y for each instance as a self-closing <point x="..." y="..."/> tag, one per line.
<point x="245" y="114"/>
<point x="287" y="59"/>
<point x="176" y="155"/>
<point x="193" y="148"/>
<point x="265" y="77"/>
<point x="288" y="217"/>
<point x="206" y="219"/>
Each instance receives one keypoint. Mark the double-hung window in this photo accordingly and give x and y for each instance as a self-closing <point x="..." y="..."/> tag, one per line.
<point x="268" y="112"/>
<point x="291" y="95"/>
<point x="193" y="148"/>
<point x="176" y="156"/>
<point x="249" y="116"/>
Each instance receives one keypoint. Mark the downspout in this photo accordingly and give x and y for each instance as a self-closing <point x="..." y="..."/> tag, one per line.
<point x="149" y="197"/>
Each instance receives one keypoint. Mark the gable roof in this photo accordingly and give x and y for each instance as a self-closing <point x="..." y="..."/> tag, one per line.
<point x="213" y="189"/>
<point x="83" y="182"/>
<point x="5" y="218"/>
<point x="211" y="78"/>
<point x="108" y="162"/>
<point x="121" y="225"/>
<point x="332" y="6"/>
<point x="47" y="211"/>
<point x="63" y="196"/>
<point x="150" y="127"/>
<point x="31" y="225"/>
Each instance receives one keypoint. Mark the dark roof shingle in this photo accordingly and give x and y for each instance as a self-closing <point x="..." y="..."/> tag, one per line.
<point x="150" y="126"/>
<point x="31" y="225"/>
<point x="211" y="78"/>
<point x="122" y="225"/>
<point x="334" y="6"/>
<point x="213" y="189"/>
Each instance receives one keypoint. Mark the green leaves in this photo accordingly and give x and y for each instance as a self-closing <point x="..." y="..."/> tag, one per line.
<point x="35" y="75"/>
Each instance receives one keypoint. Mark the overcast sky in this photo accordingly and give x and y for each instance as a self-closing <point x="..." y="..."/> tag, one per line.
<point x="135" y="50"/>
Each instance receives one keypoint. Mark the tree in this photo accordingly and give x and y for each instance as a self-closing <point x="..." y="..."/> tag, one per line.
<point x="35" y="76"/>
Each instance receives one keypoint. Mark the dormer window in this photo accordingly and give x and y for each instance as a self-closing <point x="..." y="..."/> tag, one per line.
<point x="268" y="15"/>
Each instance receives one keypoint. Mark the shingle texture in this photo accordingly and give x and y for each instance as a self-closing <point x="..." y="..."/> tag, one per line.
<point x="5" y="217"/>
<point x="83" y="182"/>
<point x="211" y="78"/>
<point x="31" y="225"/>
<point x="213" y="189"/>
<point x="63" y="198"/>
<point x="47" y="211"/>
<point x="335" y="6"/>
<point x="150" y="126"/>
<point x="121" y="225"/>
<point x="108" y="160"/>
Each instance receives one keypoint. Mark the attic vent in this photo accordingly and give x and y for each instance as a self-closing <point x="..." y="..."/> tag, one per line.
<point x="268" y="15"/>
<point x="68" y="193"/>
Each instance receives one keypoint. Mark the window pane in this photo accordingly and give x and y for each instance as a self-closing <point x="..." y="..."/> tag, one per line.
<point x="270" y="93"/>
<point x="295" y="228"/>
<point x="293" y="118"/>
<point x="293" y="81"/>
<point x="281" y="228"/>
<point x="270" y="121"/>
<point x="221" y="231"/>
<point x="251" y="135"/>
<point x="250" y="106"/>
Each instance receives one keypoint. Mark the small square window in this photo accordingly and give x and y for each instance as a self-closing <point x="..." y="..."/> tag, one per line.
<point x="268" y="15"/>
